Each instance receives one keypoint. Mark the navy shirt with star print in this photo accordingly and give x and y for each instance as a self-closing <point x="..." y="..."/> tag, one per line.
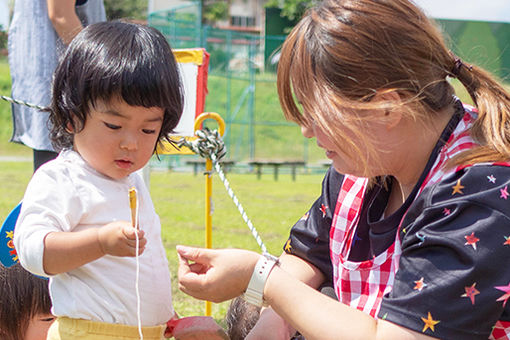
<point x="453" y="280"/>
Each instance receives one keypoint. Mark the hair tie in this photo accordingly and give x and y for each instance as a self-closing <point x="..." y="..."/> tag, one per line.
<point x="457" y="65"/>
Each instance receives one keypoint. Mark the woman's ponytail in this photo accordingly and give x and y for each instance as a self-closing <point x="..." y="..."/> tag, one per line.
<point x="492" y="128"/>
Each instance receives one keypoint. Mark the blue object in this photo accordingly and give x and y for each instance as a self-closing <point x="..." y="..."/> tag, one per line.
<point x="8" y="255"/>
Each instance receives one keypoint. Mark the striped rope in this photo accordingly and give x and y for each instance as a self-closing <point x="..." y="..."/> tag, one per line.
<point x="210" y="145"/>
<point x="238" y="204"/>
<point x="21" y="102"/>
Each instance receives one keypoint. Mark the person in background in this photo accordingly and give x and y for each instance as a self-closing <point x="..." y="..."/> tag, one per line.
<point x="25" y="305"/>
<point x="38" y="34"/>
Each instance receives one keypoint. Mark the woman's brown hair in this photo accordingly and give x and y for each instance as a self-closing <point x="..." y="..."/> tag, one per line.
<point x="344" y="51"/>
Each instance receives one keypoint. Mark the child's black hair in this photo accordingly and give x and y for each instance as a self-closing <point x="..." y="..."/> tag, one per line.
<point x="22" y="296"/>
<point x="114" y="60"/>
<point x="240" y="319"/>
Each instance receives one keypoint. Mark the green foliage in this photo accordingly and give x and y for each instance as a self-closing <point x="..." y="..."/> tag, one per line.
<point x="3" y="38"/>
<point x="214" y="10"/>
<point x="218" y="59"/>
<point x="126" y="9"/>
<point x="291" y="9"/>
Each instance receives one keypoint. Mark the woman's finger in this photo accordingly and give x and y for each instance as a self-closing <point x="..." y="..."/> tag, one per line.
<point x="199" y="255"/>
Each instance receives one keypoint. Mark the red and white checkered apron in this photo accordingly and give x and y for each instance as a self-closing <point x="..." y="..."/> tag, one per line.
<point x="362" y="285"/>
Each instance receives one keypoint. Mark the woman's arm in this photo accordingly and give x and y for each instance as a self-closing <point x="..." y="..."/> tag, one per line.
<point x="306" y="255"/>
<point x="219" y="275"/>
<point x="280" y="329"/>
<point x="317" y="316"/>
<point x="65" y="251"/>
<point x="64" y="19"/>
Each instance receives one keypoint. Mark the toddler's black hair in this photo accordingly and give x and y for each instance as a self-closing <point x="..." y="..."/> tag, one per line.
<point x="114" y="60"/>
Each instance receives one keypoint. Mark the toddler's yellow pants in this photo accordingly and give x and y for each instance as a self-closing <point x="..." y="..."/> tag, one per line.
<point x="76" y="329"/>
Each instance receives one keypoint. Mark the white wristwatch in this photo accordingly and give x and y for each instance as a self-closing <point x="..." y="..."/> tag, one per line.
<point x="254" y="294"/>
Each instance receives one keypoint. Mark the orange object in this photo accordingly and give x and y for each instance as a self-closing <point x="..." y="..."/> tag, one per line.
<point x="132" y="206"/>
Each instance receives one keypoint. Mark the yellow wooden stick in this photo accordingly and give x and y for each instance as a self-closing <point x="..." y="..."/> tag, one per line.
<point x="132" y="206"/>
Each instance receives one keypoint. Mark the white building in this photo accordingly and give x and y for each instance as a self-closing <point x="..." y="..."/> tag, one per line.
<point x="244" y="14"/>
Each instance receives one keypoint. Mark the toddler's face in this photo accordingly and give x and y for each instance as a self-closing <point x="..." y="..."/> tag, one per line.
<point x="38" y="326"/>
<point x="117" y="138"/>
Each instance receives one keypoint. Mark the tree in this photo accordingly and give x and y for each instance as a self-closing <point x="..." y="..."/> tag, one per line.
<point x="3" y="38"/>
<point x="293" y="10"/>
<point x="214" y="10"/>
<point x="126" y="9"/>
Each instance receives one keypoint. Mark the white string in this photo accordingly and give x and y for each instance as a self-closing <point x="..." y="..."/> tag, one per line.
<point x="137" y="280"/>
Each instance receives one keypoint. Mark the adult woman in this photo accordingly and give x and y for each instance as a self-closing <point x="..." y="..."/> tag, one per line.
<point x="421" y="213"/>
<point x="38" y="34"/>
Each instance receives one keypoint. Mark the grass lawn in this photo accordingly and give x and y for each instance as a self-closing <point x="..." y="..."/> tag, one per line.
<point x="179" y="200"/>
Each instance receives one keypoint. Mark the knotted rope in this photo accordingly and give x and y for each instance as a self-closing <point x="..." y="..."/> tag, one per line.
<point x="210" y="145"/>
<point x="21" y="102"/>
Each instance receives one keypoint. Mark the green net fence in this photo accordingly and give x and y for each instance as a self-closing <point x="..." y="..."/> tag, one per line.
<point x="242" y="87"/>
<point x="242" y="79"/>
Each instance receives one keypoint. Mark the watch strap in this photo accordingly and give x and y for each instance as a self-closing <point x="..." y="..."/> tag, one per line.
<point x="254" y="293"/>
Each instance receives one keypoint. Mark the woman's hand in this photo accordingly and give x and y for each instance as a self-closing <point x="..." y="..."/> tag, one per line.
<point x="215" y="275"/>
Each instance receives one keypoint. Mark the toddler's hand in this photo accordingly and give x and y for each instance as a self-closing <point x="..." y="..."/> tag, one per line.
<point x="119" y="239"/>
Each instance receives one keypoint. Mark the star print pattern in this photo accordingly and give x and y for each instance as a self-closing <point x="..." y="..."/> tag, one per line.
<point x="324" y="209"/>
<point x="427" y="290"/>
<point x="471" y="292"/>
<point x="489" y="191"/>
<point x="457" y="188"/>
<point x="506" y="296"/>
<point x="9" y="235"/>
<point x="471" y="240"/>
<point x="429" y="323"/>
<point x="504" y="192"/>
<point x="507" y="241"/>
<point x="419" y="285"/>
<point x="288" y="247"/>
<point x="305" y="216"/>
